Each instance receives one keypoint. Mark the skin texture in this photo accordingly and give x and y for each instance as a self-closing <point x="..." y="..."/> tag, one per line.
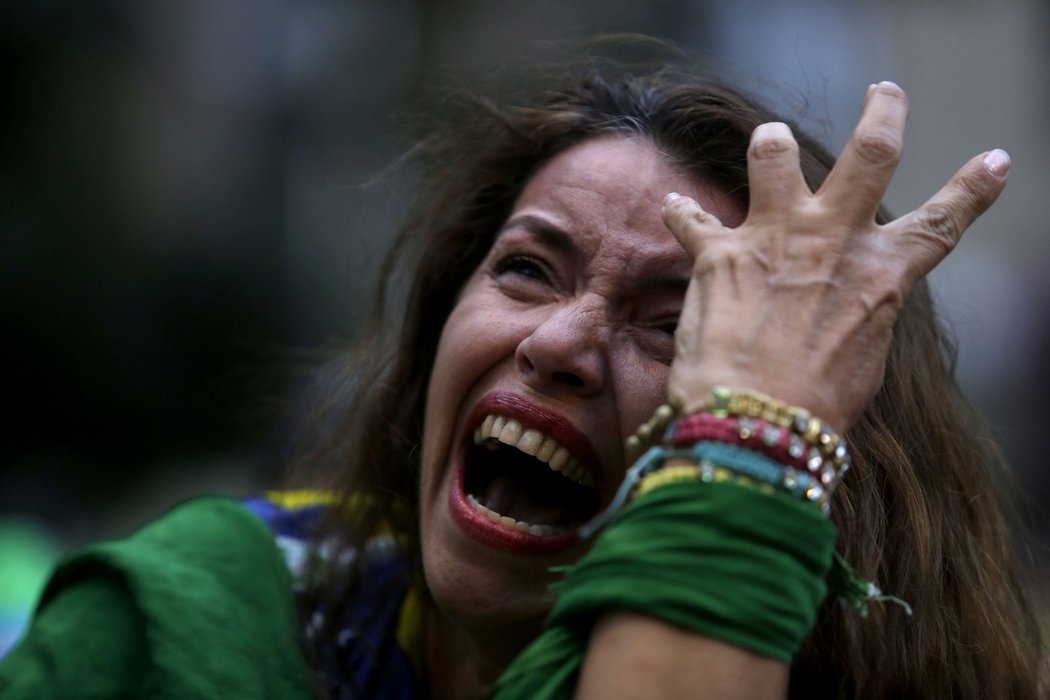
<point x="633" y="656"/>
<point x="797" y="300"/>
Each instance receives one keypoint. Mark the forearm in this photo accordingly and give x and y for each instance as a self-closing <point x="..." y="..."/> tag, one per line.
<point x="635" y="656"/>
<point x="723" y="583"/>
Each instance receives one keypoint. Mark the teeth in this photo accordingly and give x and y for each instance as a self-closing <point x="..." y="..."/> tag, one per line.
<point x="532" y="442"/>
<point x="558" y="459"/>
<point x="546" y="450"/>
<point x="511" y="433"/>
<point x="507" y="521"/>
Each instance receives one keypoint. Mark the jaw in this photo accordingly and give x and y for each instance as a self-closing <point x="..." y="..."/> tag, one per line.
<point x="468" y="650"/>
<point x="494" y="597"/>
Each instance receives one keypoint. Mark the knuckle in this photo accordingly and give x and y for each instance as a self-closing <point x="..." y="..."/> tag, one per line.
<point x="879" y="148"/>
<point x="972" y="193"/>
<point x="717" y="254"/>
<point x="684" y="211"/>
<point x="768" y="147"/>
<point x="885" y="286"/>
<point x="941" y="224"/>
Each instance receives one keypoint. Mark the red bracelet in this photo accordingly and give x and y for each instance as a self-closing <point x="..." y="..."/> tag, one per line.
<point x="773" y="441"/>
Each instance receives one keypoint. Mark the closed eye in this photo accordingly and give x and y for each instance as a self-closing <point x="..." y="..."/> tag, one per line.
<point x="523" y="265"/>
<point x="669" y="327"/>
<point x="656" y="338"/>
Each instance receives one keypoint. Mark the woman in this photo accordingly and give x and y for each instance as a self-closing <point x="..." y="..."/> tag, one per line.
<point x="576" y="262"/>
<point x="866" y="355"/>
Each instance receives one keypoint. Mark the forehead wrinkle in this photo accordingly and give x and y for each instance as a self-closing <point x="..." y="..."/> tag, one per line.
<point x="609" y="208"/>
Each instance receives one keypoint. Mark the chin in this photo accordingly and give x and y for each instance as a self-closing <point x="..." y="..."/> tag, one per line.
<point x="495" y="595"/>
<point x="514" y="488"/>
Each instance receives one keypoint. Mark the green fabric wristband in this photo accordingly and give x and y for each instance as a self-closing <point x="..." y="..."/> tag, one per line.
<point x="718" y="559"/>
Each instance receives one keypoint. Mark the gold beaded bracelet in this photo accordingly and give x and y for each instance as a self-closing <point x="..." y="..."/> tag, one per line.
<point x="824" y="446"/>
<point x="752" y="404"/>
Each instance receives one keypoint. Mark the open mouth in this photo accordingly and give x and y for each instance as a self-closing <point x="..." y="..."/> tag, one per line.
<point x="521" y="478"/>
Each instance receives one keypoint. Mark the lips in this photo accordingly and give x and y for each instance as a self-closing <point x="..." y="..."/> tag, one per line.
<point x="525" y="478"/>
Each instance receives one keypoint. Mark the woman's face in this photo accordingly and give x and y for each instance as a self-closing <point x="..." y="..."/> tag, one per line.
<point x="557" y="349"/>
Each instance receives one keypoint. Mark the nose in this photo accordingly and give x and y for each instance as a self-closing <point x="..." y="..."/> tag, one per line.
<point x="567" y="350"/>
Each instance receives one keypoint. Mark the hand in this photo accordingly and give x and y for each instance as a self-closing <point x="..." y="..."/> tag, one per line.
<point x="799" y="301"/>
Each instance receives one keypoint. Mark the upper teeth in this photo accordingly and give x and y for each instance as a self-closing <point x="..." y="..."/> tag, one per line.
<point x="533" y="442"/>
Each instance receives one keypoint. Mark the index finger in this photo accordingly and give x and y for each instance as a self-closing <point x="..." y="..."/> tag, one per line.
<point x="859" y="179"/>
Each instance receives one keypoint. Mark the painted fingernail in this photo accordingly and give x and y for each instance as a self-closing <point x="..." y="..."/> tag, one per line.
<point x="671" y="196"/>
<point x="998" y="162"/>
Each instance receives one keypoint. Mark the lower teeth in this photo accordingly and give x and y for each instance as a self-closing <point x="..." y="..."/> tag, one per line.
<point x="507" y="521"/>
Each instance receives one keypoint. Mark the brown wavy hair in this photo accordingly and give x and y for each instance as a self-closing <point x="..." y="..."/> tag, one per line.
<point x="918" y="512"/>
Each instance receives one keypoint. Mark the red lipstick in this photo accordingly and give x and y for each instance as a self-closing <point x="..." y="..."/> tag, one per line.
<point x="498" y="535"/>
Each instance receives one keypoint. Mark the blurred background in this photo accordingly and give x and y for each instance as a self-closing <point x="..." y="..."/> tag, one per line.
<point x="183" y="226"/>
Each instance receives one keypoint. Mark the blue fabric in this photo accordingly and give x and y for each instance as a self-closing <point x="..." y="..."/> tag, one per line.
<point x="366" y="656"/>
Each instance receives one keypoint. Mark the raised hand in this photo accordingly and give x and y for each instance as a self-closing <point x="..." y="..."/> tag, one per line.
<point x="799" y="301"/>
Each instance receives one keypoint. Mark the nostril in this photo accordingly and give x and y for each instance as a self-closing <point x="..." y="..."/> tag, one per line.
<point x="568" y="378"/>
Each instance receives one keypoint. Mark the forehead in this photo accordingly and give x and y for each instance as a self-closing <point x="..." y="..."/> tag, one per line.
<point x="607" y="192"/>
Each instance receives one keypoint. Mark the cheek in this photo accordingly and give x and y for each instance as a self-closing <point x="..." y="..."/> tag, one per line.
<point x="475" y="342"/>
<point x="641" y="389"/>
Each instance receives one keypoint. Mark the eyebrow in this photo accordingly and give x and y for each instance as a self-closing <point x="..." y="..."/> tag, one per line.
<point x="548" y="233"/>
<point x="662" y="278"/>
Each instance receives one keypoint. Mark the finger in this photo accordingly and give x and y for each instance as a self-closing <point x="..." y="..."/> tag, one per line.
<point x="928" y="234"/>
<point x="773" y="170"/>
<point x="689" y="222"/>
<point x="858" y="181"/>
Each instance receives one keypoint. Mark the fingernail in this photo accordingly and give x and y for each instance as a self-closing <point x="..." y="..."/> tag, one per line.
<point x="998" y="162"/>
<point x="777" y="130"/>
<point x="889" y="84"/>
<point x="671" y="196"/>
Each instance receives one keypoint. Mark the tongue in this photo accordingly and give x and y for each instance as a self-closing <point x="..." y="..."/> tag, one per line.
<point x="506" y="496"/>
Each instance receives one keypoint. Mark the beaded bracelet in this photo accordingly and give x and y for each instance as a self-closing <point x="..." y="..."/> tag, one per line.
<point x="826" y="461"/>
<point x="748" y="465"/>
<point x="643" y="437"/>
<point x="758" y="467"/>
<point x="744" y="432"/>
<point x="776" y="442"/>
<point x="752" y="404"/>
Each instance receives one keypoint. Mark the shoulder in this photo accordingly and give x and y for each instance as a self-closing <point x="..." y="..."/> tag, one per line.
<point x="204" y="587"/>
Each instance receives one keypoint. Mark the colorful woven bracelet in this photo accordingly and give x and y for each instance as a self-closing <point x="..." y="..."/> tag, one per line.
<point x="826" y="455"/>
<point x="776" y="442"/>
<point x="745" y="433"/>
<point x="758" y="467"/>
<point x="706" y="471"/>
<point x="748" y="465"/>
